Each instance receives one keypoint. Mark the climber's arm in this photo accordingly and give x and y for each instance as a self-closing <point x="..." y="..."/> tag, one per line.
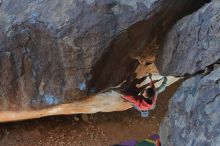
<point x="151" y="81"/>
<point x="138" y="81"/>
<point x="142" y="88"/>
<point x="148" y="84"/>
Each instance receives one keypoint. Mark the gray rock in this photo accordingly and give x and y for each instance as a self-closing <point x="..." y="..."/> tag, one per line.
<point x="55" y="44"/>
<point x="63" y="50"/>
<point x="193" y="43"/>
<point x="193" y="115"/>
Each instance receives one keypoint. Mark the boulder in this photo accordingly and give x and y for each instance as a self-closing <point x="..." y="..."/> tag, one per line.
<point x="193" y="115"/>
<point x="54" y="52"/>
<point x="192" y="44"/>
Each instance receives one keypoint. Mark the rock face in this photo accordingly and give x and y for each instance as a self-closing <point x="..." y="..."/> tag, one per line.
<point x="193" y="43"/>
<point x="194" y="113"/>
<point x="48" y="48"/>
<point x="190" y="46"/>
<point x="56" y="51"/>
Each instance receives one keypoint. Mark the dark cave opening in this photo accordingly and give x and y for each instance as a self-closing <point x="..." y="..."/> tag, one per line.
<point x="118" y="64"/>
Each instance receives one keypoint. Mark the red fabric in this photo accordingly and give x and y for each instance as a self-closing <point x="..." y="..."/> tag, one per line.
<point x="139" y="103"/>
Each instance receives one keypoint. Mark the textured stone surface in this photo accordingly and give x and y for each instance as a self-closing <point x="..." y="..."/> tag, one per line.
<point x="56" y="51"/>
<point x="47" y="48"/>
<point x="193" y="116"/>
<point x="193" y="43"/>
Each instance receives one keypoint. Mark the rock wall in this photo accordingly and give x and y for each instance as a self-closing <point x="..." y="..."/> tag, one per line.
<point x="54" y="52"/>
<point x="48" y="48"/>
<point x="193" y="116"/>
<point x="192" y="44"/>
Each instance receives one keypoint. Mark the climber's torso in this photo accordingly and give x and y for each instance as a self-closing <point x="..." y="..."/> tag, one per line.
<point x="139" y="102"/>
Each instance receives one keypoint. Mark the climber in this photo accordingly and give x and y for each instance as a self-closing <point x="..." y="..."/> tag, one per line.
<point x="146" y="99"/>
<point x="129" y="87"/>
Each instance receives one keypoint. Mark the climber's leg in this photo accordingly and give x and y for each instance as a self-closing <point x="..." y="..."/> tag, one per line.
<point x="138" y="81"/>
